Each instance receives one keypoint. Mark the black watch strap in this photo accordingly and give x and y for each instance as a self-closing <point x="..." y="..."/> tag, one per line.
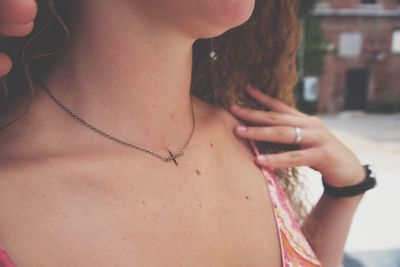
<point x="368" y="183"/>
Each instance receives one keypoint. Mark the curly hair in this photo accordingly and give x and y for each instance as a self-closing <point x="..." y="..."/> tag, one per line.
<point x="261" y="52"/>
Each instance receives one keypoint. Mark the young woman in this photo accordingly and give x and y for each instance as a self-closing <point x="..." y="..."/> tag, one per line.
<point x="129" y="151"/>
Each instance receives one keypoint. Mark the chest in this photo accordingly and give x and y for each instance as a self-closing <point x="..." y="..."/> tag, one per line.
<point x="201" y="217"/>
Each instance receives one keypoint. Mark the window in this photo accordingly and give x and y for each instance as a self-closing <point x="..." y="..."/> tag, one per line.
<point x="310" y="92"/>
<point x="369" y="2"/>
<point x="396" y="41"/>
<point x="350" y="44"/>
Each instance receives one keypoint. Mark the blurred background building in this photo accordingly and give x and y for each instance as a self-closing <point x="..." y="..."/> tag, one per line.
<point x="349" y="67"/>
<point x="351" y="57"/>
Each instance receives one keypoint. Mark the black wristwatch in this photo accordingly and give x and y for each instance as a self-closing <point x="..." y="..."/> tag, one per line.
<point x="368" y="183"/>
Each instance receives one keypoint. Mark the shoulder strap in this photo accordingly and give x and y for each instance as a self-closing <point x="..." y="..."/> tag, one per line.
<point x="289" y="229"/>
<point x="5" y="260"/>
<point x="265" y="170"/>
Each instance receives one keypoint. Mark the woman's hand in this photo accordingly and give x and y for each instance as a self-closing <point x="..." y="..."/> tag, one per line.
<point x="318" y="149"/>
<point x="16" y="19"/>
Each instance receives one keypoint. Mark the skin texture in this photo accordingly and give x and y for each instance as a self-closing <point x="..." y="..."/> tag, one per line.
<point x="76" y="178"/>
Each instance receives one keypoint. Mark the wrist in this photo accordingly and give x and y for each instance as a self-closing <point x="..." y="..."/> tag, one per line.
<point x="348" y="178"/>
<point x="366" y="183"/>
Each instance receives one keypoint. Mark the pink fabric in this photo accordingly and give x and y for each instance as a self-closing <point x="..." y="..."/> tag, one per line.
<point x="295" y="250"/>
<point x="5" y="261"/>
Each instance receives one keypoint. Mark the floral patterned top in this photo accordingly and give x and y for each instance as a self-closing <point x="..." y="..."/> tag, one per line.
<point x="295" y="250"/>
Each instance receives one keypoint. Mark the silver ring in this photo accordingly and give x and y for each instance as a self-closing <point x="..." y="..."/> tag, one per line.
<point x="298" y="135"/>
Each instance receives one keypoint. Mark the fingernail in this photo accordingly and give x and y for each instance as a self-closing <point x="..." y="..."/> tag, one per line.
<point x="250" y="87"/>
<point x="241" y="128"/>
<point x="235" y="107"/>
<point x="263" y="159"/>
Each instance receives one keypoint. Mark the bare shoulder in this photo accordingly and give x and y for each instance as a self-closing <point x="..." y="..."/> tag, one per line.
<point x="218" y="114"/>
<point x="222" y="122"/>
<point x="228" y="118"/>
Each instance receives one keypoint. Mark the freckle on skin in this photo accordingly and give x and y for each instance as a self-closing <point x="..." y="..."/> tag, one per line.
<point x="200" y="206"/>
<point x="247" y="197"/>
<point x="172" y="116"/>
<point x="144" y="202"/>
<point x="211" y="144"/>
<point x="198" y="172"/>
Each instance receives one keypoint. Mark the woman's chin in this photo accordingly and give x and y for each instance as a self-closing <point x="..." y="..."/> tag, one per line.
<point x="227" y="14"/>
<point x="235" y="12"/>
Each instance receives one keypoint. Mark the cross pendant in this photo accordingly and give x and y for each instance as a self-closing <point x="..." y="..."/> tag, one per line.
<point x="173" y="157"/>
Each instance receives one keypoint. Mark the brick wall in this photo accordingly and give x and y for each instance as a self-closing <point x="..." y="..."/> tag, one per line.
<point x="338" y="4"/>
<point x="384" y="66"/>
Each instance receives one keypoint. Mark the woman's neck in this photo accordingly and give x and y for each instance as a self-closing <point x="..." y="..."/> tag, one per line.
<point x="127" y="74"/>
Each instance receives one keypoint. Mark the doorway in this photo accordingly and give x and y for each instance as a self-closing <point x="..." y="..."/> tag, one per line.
<point x="356" y="90"/>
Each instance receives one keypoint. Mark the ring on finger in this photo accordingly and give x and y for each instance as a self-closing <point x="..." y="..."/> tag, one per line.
<point x="299" y="136"/>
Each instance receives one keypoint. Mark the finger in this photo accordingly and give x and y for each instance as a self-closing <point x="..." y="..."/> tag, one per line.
<point x="5" y="64"/>
<point x="279" y="134"/>
<point x="268" y="117"/>
<point x="305" y="157"/>
<point x="270" y="102"/>
<point x="17" y="11"/>
<point x="15" y="30"/>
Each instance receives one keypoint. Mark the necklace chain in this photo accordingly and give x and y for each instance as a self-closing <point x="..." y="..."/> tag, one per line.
<point x="170" y="157"/>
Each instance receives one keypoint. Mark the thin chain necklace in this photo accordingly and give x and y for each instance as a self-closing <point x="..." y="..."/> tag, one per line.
<point x="171" y="157"/>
